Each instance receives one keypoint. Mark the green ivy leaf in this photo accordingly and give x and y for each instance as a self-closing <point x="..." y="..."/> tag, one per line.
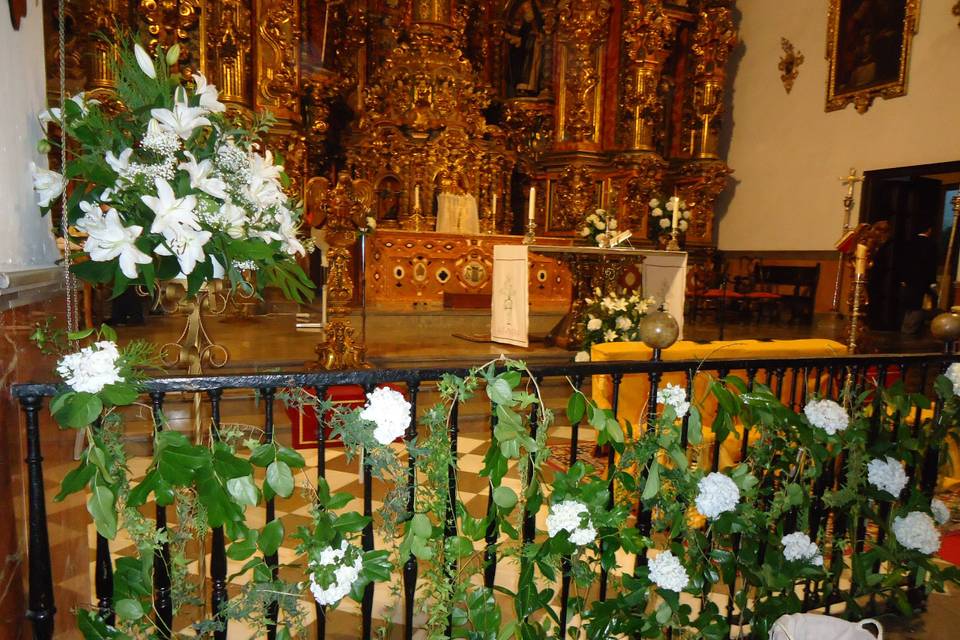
<point x="500" y="392"/>
<point x="243" y="490"/>
<point x="350" y="522"/>
<point x="128" y="609"/>
<point x="78" y="409"/>
<point x="694" y="427"/>
<point x="101" y="505"/>
<point x="576" y="407"/>
<point x="264" y="454"/>
<point x="421" y="526"/>
<point x="614" y="430"/>
<point x="120" y="395"/>
<point x="459" y="546"/>
<point x="280" y="478"/>
<point x="93" y="628"/>
<point x="271" y="537"/>
<point x="243" y="549"/>
<point x="652" y="485"/>
<point x="504" y="497"/>
<point x="75" y="481"/>
<point x="291" y="457"/>
<point x="140" y="493"/>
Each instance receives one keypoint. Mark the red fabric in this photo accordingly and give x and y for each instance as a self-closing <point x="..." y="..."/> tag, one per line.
<point x="950" y="547"/>
<point x="718" y="293"/>
<point x="304" y="426"/>
<point x="764" y="295"/>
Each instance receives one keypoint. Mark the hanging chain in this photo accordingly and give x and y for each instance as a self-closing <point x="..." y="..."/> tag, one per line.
<point x="68" y="277"/>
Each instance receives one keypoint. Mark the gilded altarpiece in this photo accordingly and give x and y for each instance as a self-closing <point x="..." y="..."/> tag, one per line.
<point x="596" y="103"/>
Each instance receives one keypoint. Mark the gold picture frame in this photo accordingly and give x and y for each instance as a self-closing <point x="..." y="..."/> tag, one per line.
<point x="868" y="49"/>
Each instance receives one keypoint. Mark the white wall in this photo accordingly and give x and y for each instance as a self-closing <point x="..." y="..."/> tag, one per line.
<point x="25" y="237"/>
<point x="788" y="154"/>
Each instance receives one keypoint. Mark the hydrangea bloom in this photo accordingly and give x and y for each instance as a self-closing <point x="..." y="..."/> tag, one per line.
<point x="827" y="415"/>
<point x="675" y="396"/>
<point x="941" y="513"/>
<point x="953" y="374"/>
<point x="667" y="573"/>
<point x="917" y="531"/>
<point x="569" y="516"/>
<point x="582" y="356"/>
<point x="594" y="324"/>
<point x="798" y="546"/>
<point x="92" y="368"/>
<point x="332" y="577"/>
<point x="390" y="411"/>
<point x="718" y="494"/>
<point x="887" y="475"/>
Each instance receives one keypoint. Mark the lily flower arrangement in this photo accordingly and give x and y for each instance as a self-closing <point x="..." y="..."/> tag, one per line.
<point x="164" y="184"/>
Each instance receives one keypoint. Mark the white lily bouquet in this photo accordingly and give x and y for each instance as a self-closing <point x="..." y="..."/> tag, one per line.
<point x="167" y="186"/>
<point x="598" y="227"/>
<point x="661" y="216"/>
<point x="615" y="318"/>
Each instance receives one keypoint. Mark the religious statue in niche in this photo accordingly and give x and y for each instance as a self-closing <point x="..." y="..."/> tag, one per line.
<point x="388" y="202"/>
<point x="525" y="43"/>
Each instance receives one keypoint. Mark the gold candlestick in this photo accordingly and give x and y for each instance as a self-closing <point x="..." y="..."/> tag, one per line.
<point x="674" y="245"/>
<point x="850" y="180"/>
<point x="530" y="237"/>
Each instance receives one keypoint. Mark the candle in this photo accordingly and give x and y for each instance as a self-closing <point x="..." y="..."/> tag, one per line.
<point x="860" y="265"/>
<point x="533" y="201"/>
<point x="494" y="204"/>
<point x="416" y="197"/>
<point x="676" y="210"/>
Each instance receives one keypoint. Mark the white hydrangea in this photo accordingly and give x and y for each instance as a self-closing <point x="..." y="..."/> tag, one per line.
<point x="953" y="374"/>
<point x="917" y="531"/>
<point x="594" y="324"/>
<point x="718" y="494"/>
<point x="798" y="546"/>
<point x="665" y="223"/>
<point x="344" y="574"/>
<point x="570" y="516"/>
<point x="827" y="415"/>
<point x="941" y="513"/>
<point x="92" y="368"/>
<point x="624" y="323"/>
<point x="667" y="573"/>
<point x="887" y="475"/>
<point x="390" y="411"/>
<point x="675" y="396"/>
<point x="582" y="356"/>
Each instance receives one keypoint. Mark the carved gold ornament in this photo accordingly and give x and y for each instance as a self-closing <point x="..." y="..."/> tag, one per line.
<point x="868" y="51"/>
<point x="789" y="65"/>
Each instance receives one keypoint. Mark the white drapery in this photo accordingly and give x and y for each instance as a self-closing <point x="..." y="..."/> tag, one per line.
<point x="457" y="214"/>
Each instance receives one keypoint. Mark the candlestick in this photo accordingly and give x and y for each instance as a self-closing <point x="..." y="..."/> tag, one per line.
<point x="860" y="266"/>
<point x="416" y="196"/>
<point x="494" y="205"/>
<point x="531" y="209"/>
<point x="676" y="211"/>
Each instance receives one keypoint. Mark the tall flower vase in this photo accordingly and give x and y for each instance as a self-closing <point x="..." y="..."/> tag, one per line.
<point x="194" y="349"/>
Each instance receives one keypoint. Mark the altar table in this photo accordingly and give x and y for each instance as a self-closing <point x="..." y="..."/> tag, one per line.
<point x="635" y="388"/>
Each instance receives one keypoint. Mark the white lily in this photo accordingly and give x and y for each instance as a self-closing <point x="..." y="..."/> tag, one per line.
<point x="182" y="119"/>
<point x="209" y="96"/>
<point x="47" y="116"/>
<point x="120" y="164"/>
<point x="187" y="245"/>
<point x="289" y="241"/>
<point x="144" y="61"/>
<point x="263" y="193"/>
<point x="48" y="184"/>
<point x="262" y="167"/>
<point x="232" y="218"/>
<point x="109" y="239"/>
<point x="171" y="212"/>
<point x="201" y="177"/>
<point x="92" y="220"/>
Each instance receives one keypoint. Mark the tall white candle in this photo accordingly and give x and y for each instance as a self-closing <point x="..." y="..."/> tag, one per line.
<point x="676" y="211"/>
<point x="494" y="204"/>
<point x="533" y="203"/>
<point x="416" y="196"/>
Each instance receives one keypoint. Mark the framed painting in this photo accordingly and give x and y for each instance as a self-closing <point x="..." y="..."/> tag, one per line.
<point x="868" y="50"/>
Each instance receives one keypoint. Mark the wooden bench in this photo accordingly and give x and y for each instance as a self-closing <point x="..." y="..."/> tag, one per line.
<point x="793" y="288"/>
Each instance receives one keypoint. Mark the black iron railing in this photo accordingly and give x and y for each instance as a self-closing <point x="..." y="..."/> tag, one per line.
<point x="792" y="379"/>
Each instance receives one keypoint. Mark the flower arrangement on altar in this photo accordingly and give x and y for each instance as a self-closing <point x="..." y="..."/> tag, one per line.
<point x="598" y="227"/>
<point x="613" y="318"/>
<point x="760" y="506"/>
<point x="667" y="214"/>
<point x="165" y="185"/>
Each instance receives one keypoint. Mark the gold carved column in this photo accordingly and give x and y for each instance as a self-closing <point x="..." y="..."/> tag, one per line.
<point x="713" y="41"/>
<point x="582" y="27"/>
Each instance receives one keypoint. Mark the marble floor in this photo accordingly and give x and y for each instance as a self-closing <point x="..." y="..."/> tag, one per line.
<point x="273" y="342"/>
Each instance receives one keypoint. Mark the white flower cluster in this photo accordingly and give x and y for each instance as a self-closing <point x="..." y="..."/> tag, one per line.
<point x="799" y="546"/>
<point x="48" y="184"/>
<point x="613" y="318"/>
<point x="940" y="511"/>
<point x="667" y="573"/>
<point x="666" y="222"/>
<point x="92" y="368"/>
<point x="582" y="356"/>
<point x="887" y="475"/>
<point x="675" y="396"/>
<point x="570" y="516"/>
<point x="596" y="225"/>
<point x="332" y="577"/>
<point x="718" y="494"/>
<point x="827" y="415"/>
<point x="917" y="531"/>
<point x="953" y="374"/>
<point x="390" y="411"/>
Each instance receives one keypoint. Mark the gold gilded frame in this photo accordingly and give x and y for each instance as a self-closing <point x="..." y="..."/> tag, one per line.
<point x="863" y="97"/>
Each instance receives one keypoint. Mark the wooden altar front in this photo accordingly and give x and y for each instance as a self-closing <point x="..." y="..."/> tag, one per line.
<point x="409" y="270"/>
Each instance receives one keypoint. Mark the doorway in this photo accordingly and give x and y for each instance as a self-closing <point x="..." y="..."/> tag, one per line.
<point x="908" y="272"/>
